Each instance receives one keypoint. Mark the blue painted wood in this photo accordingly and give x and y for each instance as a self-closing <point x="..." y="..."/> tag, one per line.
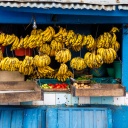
<point x="77" y="118"/>
<point x="22" y="117"/>
<point x="84" y="12"/>
<point x="51" y="118"/>
<point x="120" y="116"/>
<point x="109" y="118"/>
<point x="17" y="118"/>
<point x="5" y="120"/>
<point x="125" y="58"/>
<point x="26" y="17"/>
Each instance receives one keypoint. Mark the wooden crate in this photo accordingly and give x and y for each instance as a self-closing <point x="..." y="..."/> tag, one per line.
<point x="11" y="76"/>
<point x="19" y="92"/>
<point x="56" y="90"/>
<point x="100" y="90"/>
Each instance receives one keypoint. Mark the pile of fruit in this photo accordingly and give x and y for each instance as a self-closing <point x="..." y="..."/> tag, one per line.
<point x="81" y="86"/>
<point x="59" y="44"/>
<point x="55" y="86"/>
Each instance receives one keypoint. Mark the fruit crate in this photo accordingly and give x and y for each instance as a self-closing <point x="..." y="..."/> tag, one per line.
<point x="20" y="91"/>
<point x="99" y="90"/>
<point x="53" y="81"/>
<point x="11" y="76"/>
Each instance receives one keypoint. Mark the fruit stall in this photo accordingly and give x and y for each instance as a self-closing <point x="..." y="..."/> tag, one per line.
<point x="74" y="53"/>
<point x="36" y="54"/>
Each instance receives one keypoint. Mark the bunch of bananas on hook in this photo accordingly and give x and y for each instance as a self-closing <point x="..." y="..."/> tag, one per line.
<point x="48" y="34"/>
<point x="9" y="64"/>
<point x="42" y="60"/>
<point x="78" y="63"/>
<point x="93" y="60"/>
<point x="63" y="56"/>
<point x="108" y="55"/>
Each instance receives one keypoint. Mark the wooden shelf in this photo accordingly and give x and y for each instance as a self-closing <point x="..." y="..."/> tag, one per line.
<point x="19" y="91"/>
<point x="55" y="90"/>
<point x="100" y="90"/>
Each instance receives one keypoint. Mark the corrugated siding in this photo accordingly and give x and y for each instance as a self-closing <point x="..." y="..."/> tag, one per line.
<point x="78" y="118"/>
<point x="22" y="118"/>
<point x="47" y="5"/>
<point x="98" y="2"/>
<point x="123" y="7"/>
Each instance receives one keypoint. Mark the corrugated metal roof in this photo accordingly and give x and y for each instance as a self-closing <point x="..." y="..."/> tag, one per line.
<point x="98" y="2"/>
<point x="47" y="5"/>
<point x="123" y="7"/>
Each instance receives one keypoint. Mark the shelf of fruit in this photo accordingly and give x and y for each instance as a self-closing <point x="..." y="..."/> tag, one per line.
<point x="61" y="87"/>
<point x="97" y="89"/>
<point x="58" y="44"/>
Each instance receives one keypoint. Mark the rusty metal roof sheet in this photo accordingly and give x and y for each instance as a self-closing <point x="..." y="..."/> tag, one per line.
<point x="50" y="4"/>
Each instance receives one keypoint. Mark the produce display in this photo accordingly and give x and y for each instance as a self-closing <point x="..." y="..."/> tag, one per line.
<point x="59" y="44"/>
<point x="55" y="86"/>
<point x="81" y="85"/>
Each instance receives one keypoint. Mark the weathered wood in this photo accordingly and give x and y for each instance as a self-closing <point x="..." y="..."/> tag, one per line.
<point x="19" y="92"/>
<point x="11" y="76"/>
<point x="56" y="90"/>
<point x="100" y="90"/>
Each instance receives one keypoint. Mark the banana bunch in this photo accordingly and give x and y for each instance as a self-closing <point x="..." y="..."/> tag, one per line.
<point x="28" y="61"/>
<point x="48" y="34"/>
<point x="104" y="40"/>
<point x="9" y="64"/>
<point x="108" y="55"/>
<point x="36" y="31"/>
<point x="45" y="70"/>
<point x="115" y="45"/>
<point x="45" y="48"/>
<point x="2" y="37"/>
<point x="1" y="54"/>
<point x="61" y="35"/>
<point x="76" y="48"/>
<point x="33" y="41"/>
<point x="107" y="39"/>
<point x="78" y="40"/>
<point x="63" y="69"/>
<point x="114" y="30"/>
<point x="15" y="43"/>
<point x="63" y="77"/>
<point x="26" y="70"/>
<point x="41" y="61"/>
<point x="36" y="75"/>
<point x="9" y="39"/>
<point x="74" y="41"/>
<point x="57" y="46"/>
<point x="92" y="60"/>
<point x="89" y="42"/>
<point x="71" y="38"/>
<point x="84" y="41"/>
<point x="78" y="63"/>
<point x="63" y="56"/>
<point x="52" y="53"/>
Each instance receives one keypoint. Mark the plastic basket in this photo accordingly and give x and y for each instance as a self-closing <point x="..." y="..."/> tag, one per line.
<point x="2" y="48"/>
<point x="23" y="52"/>
<point x="51" y="81"/>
